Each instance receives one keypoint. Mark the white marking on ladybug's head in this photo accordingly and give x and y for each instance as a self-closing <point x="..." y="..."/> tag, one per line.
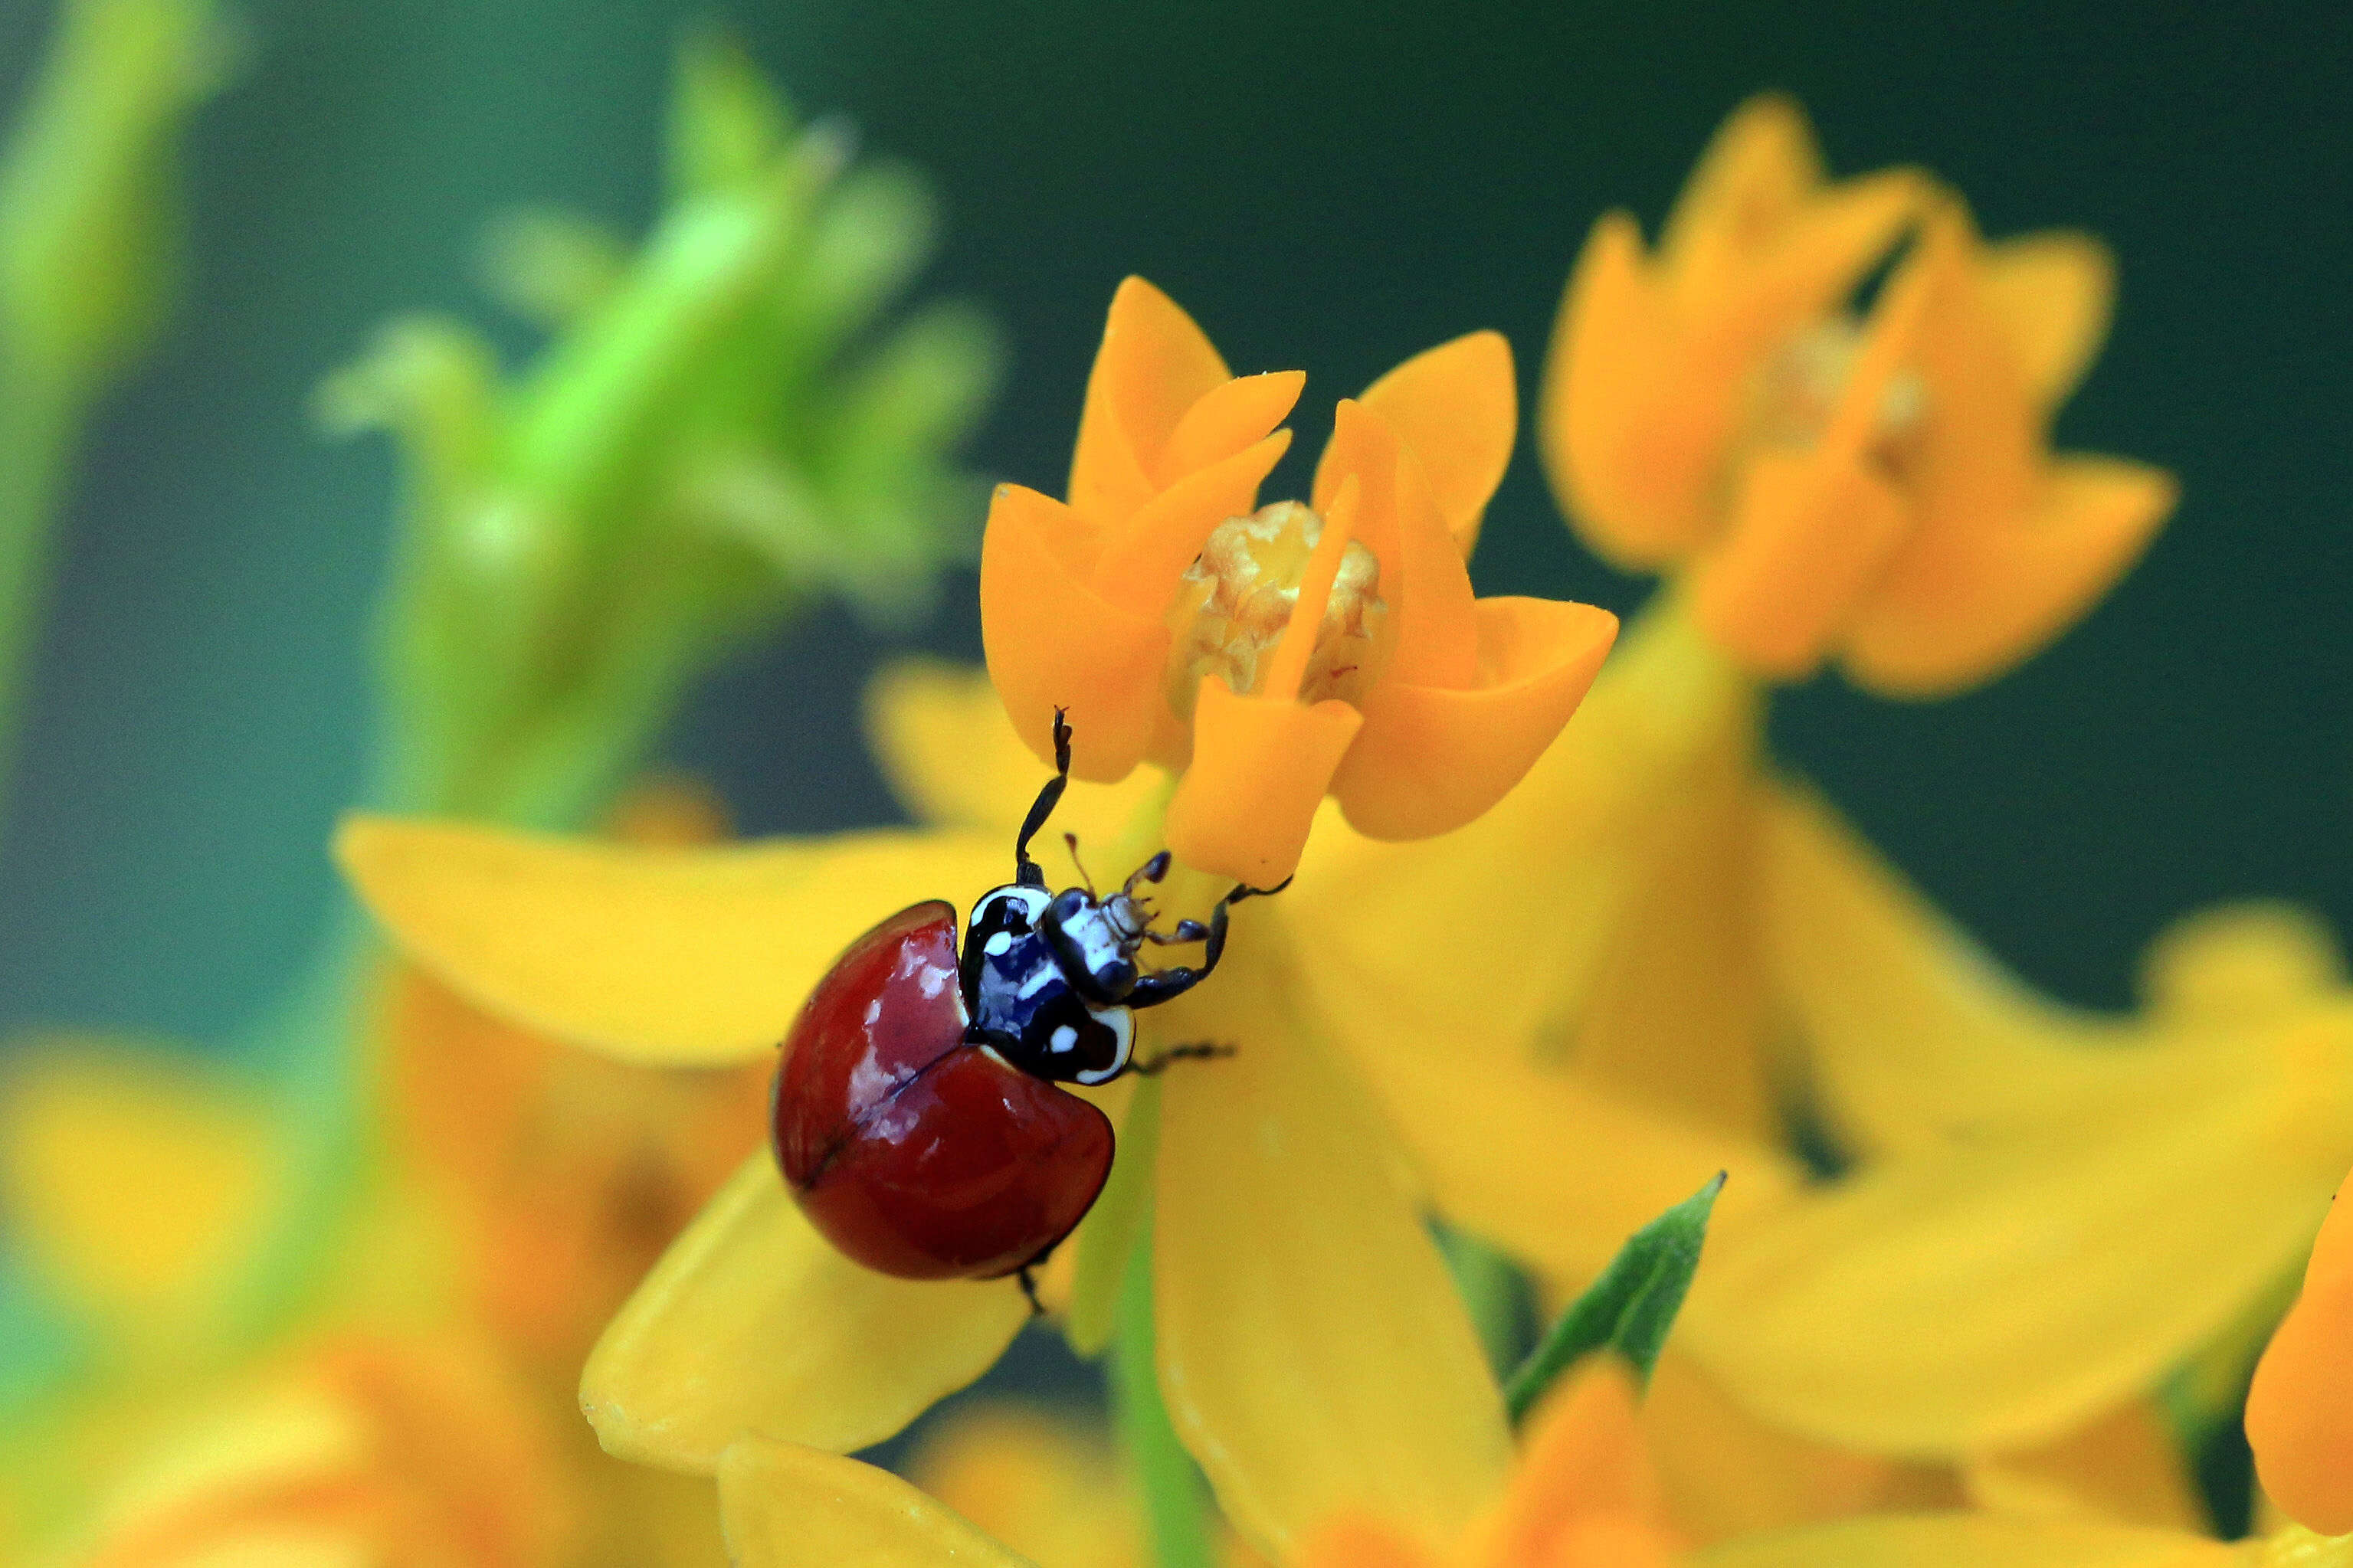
<point x="1099" y="937"/>
<point x="1064" y="1038"/>
<point x="998" y="946"/>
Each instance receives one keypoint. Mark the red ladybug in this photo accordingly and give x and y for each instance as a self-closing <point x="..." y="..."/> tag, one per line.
<point x="917" y="1120"/>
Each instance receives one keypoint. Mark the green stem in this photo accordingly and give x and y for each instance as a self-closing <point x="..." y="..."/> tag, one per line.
<point x="1175" y="1500"/>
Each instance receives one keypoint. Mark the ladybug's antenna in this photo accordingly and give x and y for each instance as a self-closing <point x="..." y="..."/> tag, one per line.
<point x="1084" y="874"/>
<point x="1026" y="871"/>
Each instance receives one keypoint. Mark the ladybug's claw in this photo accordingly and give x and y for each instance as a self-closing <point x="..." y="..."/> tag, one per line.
<point x="1026" y="871"/>
<point x="1158" y="985"/>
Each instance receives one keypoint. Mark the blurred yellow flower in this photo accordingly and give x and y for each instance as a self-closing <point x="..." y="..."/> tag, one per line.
<point x="1275" y="654"/>
<point x="1878" y="490"/>
<point x="400" y="1452"/>
<point x="1312" y="1348"/>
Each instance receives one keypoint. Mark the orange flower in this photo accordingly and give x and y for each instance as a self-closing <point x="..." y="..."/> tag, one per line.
<point x="1583" y="1495"/>
<point x="1279" y="654"/>
<point x="1881" y="488"/>
<point x="410" y="1453"/>
<point x="2300" y="1410"/>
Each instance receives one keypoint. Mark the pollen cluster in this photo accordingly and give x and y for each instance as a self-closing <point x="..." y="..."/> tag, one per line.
<point x="1235" y="601"/>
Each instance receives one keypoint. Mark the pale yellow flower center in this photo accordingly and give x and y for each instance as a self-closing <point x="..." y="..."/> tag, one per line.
<point x="1235" y="603"/>
<point x="1799" y="388"/>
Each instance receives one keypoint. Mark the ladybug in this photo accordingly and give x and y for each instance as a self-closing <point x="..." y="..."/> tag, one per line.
<point x="917" y="1116"/>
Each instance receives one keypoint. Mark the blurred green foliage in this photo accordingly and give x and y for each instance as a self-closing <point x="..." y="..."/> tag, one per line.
<point x="714" y="434"/>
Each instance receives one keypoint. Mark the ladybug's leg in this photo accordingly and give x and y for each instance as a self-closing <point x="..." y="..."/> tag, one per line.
<point x="1201" y="1052"/>
<point x="1030" y="1289"/>
<point x="1158" y="985"/>
<point x="1026" y="871"/>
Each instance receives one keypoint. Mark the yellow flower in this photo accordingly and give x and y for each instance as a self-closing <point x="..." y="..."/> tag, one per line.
<point x="2110" y="1194"/>
<point x="1312" y="1350"/>
<point x="1278" y="654"/>
<point x="1879" y="489"/>
<point x="1582" y="1494"/>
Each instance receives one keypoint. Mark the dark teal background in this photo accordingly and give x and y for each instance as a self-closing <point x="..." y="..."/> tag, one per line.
<point x="1326" y="186"/>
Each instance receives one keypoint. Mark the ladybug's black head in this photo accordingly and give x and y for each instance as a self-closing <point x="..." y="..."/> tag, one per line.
<point x="1050" y="980"/>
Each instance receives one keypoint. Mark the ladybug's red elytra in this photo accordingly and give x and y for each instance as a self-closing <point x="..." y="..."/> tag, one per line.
<point x="917" y="1116"/>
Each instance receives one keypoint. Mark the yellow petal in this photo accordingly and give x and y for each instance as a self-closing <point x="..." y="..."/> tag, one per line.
<point x="1914" y="1034"/>
<point x="1052" y="641"/>
<point x="1314" y="1354"/>
<point x="1432" y="759"/>
<point x="134" y="1178"/>
<point x="1048" y="1486"/>
<point x="1962" y="604"/>
<point x="1152" y="365"/>
<point x="2163" y="1222"/>
<point x="2053" y="294"/>
<point x="1457" y="410"/>
<point x="1971" y="1540"/>
<point x="2125" y="1467"/>
<point x="1728" y="1475"/>
<point x="753" y="1323"/>
<point x="1546" y="877"/>
<point x="953" y="761"/>
<point x="667" y="957"/>
<point x="1361" y="1543"/>
<point x="1808" y="537"/>
<point x="785" y="1506"/>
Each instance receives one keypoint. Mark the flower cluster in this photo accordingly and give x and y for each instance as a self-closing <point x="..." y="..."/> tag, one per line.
<point x="1505" y="954"/>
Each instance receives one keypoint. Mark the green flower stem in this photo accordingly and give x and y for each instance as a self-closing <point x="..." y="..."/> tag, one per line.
<point x="1175" y="1500"/>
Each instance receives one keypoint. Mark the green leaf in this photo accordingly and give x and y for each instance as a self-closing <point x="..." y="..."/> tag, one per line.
<point x="1630" y="1308"/>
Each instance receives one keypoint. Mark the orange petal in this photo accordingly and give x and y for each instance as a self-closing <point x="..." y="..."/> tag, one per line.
<point x="1360" y="1544"/>
<point x="1810" y="535"/>
<point x="1758" y="172"/>
<point x="2053" y="294"/>
<point x="2300" y="1410"/>
<point x="1052" y="641"/>
<point x="1152" y="365"/>
<point x="1422" y="574"/>
<point x="1584" y="1458"/>
<point x="1431" y="759"/>
<point x="1628" y="464"/>
<point x="1141" y="563"/>
<point x="1260" y="768"/>
<point x="1973" y="458"/>
<point x="1228" y="419"/>
<point x="1960" y="606"/>
<point x="1457" y="408"/>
